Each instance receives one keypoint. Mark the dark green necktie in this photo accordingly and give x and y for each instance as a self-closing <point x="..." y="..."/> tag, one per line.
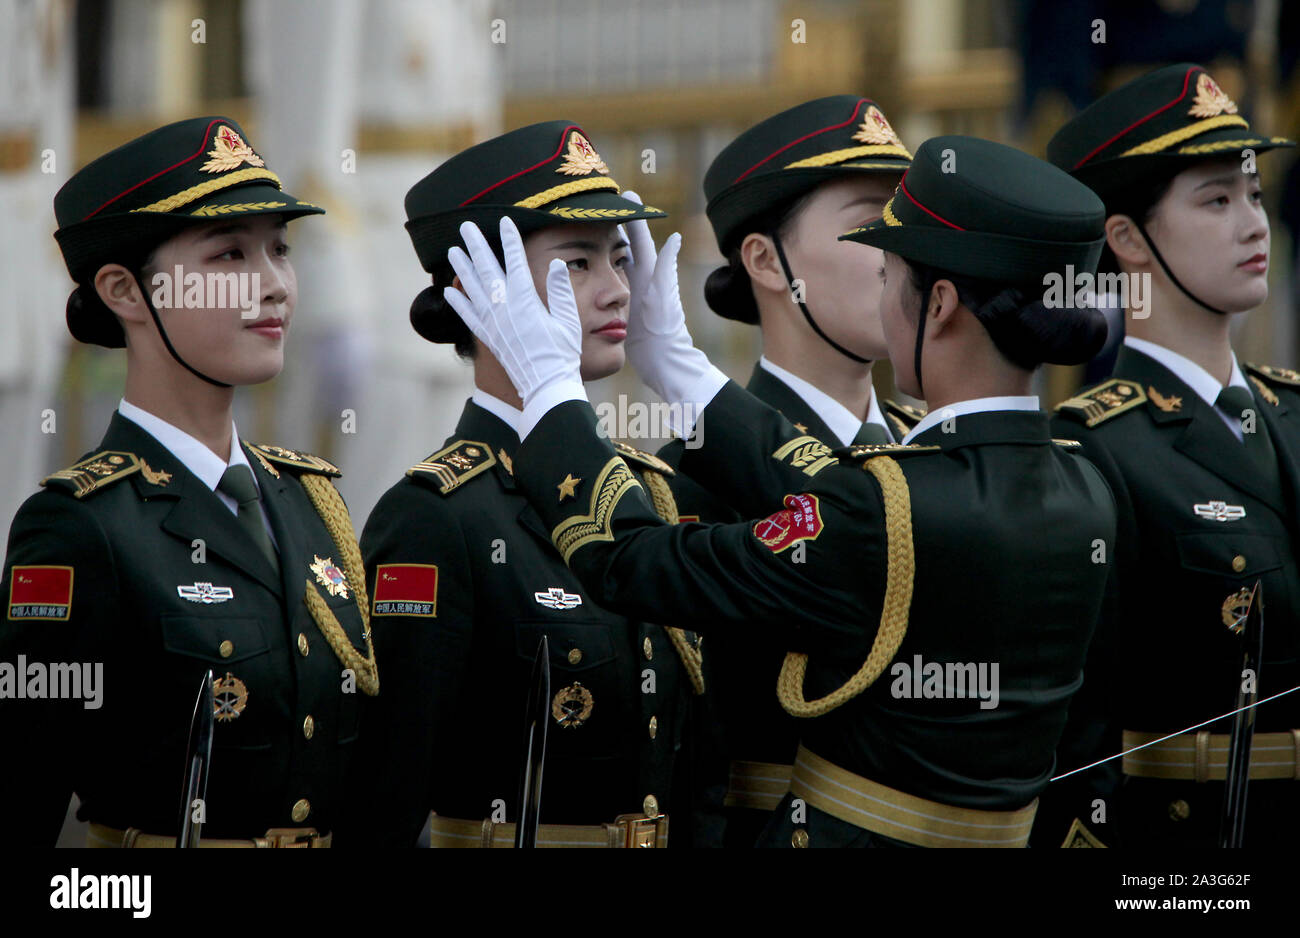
<point x="872" y="433"/>
<point x="1235" y="402"/>
<point x="237" y="482"/>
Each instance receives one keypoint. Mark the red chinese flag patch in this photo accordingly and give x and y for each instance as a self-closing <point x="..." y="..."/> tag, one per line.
<point x="799" y="520"/>
<point x="40" y="593"/>
<point x="406" y="589"/>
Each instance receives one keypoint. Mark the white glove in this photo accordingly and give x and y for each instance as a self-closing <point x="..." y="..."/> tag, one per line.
<point x="541" y="351"/>
<point x="658" y="342"/>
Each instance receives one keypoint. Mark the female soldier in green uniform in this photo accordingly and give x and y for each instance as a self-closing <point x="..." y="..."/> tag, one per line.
<point x="779" y="196"/>
<point x="1203" y="454"/>
<point x="465" y="580"/>
<point x="176" y="547"/>
<point x="969" y="558"/>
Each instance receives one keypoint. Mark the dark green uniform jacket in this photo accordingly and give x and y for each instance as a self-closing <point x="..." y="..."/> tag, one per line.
<point x="1004" y="524"/>
<point x="1164" y="658"/>
<point x="446" y="731"/>
<point x="157" y="614"/>
<point x="742" y="672"/>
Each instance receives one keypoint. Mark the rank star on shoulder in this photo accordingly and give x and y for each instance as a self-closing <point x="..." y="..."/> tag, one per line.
<point x="569" y="487"/>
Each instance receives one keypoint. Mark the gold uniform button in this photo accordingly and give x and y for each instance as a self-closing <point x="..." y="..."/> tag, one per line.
<point x="647" y="648"/>
<point x="650" y="806"/>
<point x="799" y="838"/>
<point x="654" y="726"/>
<point x="575" y="655"/>
<point x="301" y="808"/>
<point x="308" y="726"/>
<point x="227" y="648"/>
<point x="303" y="647"/>
<point x="1239" y="563"/>
<point x="1180" y="810"/>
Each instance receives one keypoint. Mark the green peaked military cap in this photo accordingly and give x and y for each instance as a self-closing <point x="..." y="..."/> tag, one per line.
<point x="540" y="175"/>
<point x="795" y="151"/>
<point x="120" y="206"/>
<point x="1153" y="126"/>
<point x="982" y="209"/>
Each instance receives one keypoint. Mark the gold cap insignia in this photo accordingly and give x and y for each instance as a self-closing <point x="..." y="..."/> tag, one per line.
<point x="875" y="129"/>
<point x="572" y="706"/>
<point x="229" y="698"/>
<point x="1210" y="99"/>
<point x="330" y="577"/>
<point x="228" y="151"/>
<point x="581" y="158"/>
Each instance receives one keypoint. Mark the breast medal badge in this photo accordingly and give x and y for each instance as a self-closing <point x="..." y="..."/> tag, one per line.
<point x="228" y="151"/>
<point x="581" y="158"/>
<point x="330" y="577"/>
<point x="1235" y="609"/>
<point x="205" y="593"/>
<point x="557" y="598"/>
<point x="1219" y="511"/>
<point x="229" y="698"/>
<point x="572" y="706"/>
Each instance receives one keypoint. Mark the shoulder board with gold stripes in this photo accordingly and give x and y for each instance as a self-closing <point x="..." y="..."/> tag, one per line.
<point x="905" y="412"/>
<point x="298" y="461"/>
<point x="646" y="460"/>
<point x="1273" y="375"/>
<point x="94" y="473"/>
<point x="453" y="466"/>
<point x="1070" y="445"/>
<point x="1108" y="399"/>
<point x="863" y="451"/>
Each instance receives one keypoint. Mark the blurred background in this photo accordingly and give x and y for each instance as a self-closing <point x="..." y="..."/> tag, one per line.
<point x="353" y="102"/>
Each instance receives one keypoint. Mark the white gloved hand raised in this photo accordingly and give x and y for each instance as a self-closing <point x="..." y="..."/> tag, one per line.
<point x="658" y="342"/>
<point x="540" y="350"/>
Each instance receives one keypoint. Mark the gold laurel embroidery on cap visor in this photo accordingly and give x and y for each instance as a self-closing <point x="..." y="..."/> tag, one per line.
<point x="807" y="453"/>
<point x="228" y="151"/>
<point x="581" y="214"/>
<point x="614" y="481"/>
<point x="212" y="210"/>
<point x="573" y="187"/>
<point x="1228" y="146"/>
<point x="581" y="158"/>
<point x="887" y="213"/>
<point x="1165" y="141"/>
<point x="840" y="156"/>
<point x="194" y="193"/>
<point x="1210" y="99"/>
<point x="875" y="128"/>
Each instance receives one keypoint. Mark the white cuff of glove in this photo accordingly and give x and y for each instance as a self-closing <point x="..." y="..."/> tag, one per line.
<point x="697" y="395"/>
<point x="546" y="398"/>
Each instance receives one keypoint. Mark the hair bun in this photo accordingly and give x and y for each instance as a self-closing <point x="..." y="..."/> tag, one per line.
<point x="434" y="319"/>
<point x="728" y="292"/>
<point x="1030" y="334"/>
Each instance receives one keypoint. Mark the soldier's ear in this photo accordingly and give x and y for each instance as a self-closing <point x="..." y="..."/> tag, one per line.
<point x="119" y="290"/>
<point x="758" y="255"/>
<point x="1126" y="242"/>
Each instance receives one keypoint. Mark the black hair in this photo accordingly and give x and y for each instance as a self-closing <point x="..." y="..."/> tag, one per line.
<point x="433" y="317"/>
<point x="1137" y="200"/>
<point x="727" y="289"/>
<point x="1024" y="330"/>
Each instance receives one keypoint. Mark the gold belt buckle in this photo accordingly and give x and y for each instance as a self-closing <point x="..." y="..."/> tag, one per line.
<point x="639" y="830"/>
<point x="290" y="837"/>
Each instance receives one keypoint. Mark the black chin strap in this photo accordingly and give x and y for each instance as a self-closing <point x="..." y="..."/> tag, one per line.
<point x="789" y="279"/>
<point x="1170" y="274"/>
<point x="920" y="335"/>
<point x="168" y="342"/>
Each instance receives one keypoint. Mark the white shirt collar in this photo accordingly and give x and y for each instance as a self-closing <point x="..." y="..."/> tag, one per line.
<point x="1205" y="385"/>
<point x="510" y="416"/>
<point x="977" y="405"/>
<point x="195" y="456"/>
<point x="842" y="421"/>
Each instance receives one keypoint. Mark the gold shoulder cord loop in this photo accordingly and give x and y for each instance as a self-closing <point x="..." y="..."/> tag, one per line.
<point x="661" y="496"/>
<point x="329" y="505"/>
<point x="893" y="617"/>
